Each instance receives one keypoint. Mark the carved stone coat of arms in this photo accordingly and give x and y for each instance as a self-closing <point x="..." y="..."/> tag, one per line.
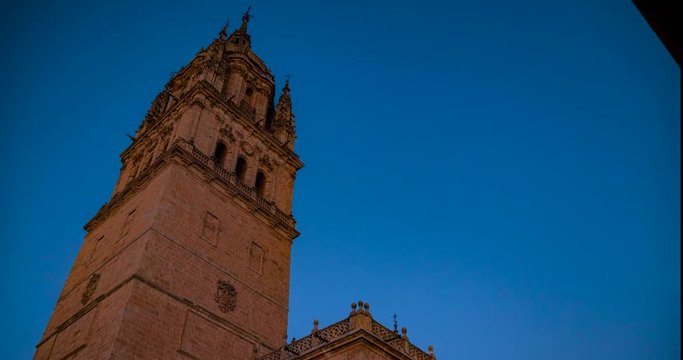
<point x="226" y="296"/>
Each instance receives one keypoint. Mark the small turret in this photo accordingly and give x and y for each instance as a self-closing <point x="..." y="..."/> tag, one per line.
<point x="283" y="125"/>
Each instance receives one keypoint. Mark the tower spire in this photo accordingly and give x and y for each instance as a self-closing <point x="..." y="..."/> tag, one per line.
<point x="193" y="120"/>
<point x="240" y="36"/>
<point x="284" y="104"/>
<point x="286" y="87"/>
<point x="245" y="19"/>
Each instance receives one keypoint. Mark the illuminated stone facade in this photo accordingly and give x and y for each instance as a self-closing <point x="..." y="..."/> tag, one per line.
<point x="190" y="258"/>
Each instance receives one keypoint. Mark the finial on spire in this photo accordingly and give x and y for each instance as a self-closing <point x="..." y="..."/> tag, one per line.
<point x="245" y="18"/>
<point x="287" y="77"/>
<point x="395" y="324"/>
<point x="224" y="31"/>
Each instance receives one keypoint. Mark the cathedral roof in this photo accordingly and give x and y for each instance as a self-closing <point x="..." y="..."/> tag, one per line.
<point x="358" y="335"/>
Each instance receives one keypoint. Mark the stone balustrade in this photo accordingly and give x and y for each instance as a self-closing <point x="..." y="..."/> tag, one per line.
<point x="360" y="319"/>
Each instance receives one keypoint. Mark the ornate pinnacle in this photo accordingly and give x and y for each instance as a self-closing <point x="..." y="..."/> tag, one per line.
<point x="287" y="77"/>
<point x="224" y="31"/>
<point x="284" y="104"/>
<point x="283" y="124"/>
<point x="245" y="19"/>
<point x="431" y="351"/>
<point x="285" y="98"/>
<point x="240" y="36"/>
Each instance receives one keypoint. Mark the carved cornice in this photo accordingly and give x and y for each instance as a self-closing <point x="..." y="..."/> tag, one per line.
<point x="276" y="218"/>
<point x="207" y="163"/>
<point x="250" y="58"/>
<point x="339" y="335"/>
<point x="248" y="70"/>
<point x="262" y="134"/>
<point x="205" y="88"/>
<point x="242" y="118"/>
<point x="359" y="325"/>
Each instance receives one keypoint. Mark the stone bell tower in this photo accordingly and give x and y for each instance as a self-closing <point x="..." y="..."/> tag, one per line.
<point x="190" y="258"/>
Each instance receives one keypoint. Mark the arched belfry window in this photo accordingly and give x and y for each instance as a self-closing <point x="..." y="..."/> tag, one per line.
<point x="260" y="183"/>
<point x="241" y="169"/>
<point x="219" y="154"/>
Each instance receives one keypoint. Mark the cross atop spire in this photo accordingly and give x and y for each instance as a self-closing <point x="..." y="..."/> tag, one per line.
<point x="240" y="36"/>
<point x="245" y="19"/>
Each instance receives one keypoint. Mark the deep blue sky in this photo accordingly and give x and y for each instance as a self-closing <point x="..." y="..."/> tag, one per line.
<point x="503" y="175"/>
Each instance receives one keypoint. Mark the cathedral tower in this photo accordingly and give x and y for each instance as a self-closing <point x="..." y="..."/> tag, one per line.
<point x="190" y="258"/>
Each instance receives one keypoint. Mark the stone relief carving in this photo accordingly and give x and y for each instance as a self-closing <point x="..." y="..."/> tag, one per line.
<point x="165" y="134"/>
<point x="199" y="103"/>
<point x="152" y="144"/>
<point x="226" y="131"/>
<point x="226" y="296"/>
<point x="266" y="162"/>
<point x="247" y="148"/>
<point x="90" y="288"/>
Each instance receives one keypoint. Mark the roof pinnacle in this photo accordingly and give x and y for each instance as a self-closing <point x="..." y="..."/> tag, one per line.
<point x="240" y="36"/>
<point x="224" y="31"/>
<point x="431" y="351"/>
<point x="245" y="19"/>
<point x="287" y="77"/>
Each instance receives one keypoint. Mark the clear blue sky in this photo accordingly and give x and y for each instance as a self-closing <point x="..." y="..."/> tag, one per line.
<point x="503" y="175"/>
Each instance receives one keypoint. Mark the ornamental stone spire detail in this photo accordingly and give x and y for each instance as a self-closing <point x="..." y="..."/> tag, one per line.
<point x="240" y="35"/>
<point x="283" y="126"/>
<point x="224" y="31"/>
